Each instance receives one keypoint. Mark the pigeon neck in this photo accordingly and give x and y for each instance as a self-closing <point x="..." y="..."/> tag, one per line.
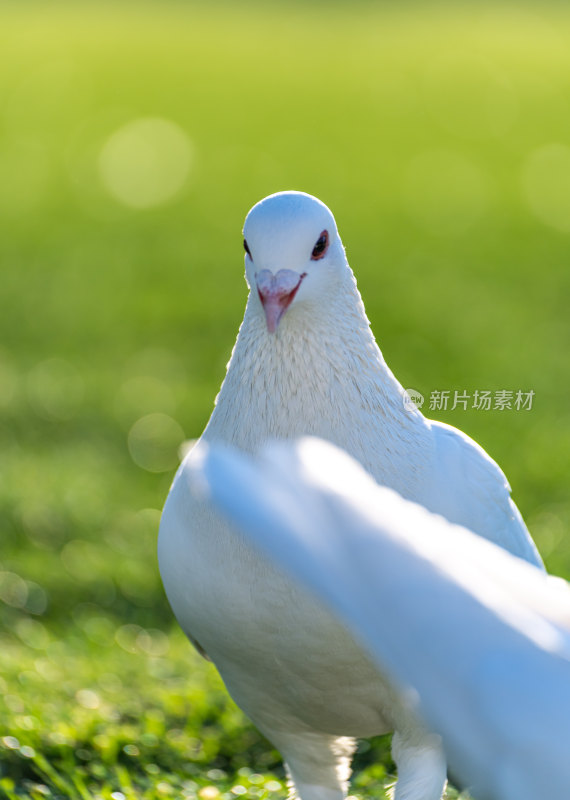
<point x="319" y="374"/>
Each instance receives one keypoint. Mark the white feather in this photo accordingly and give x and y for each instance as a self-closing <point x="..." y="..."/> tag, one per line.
<point x="483" y="638"/>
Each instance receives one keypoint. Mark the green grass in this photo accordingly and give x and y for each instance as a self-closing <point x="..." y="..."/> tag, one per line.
<point x="439" y="137"/>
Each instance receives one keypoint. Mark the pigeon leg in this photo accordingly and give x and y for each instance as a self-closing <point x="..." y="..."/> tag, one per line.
<point x="422" y="767"/>
<point x="318" y="764"/>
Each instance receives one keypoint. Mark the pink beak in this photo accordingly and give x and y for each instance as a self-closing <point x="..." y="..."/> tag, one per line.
<point x="276" y="293"/>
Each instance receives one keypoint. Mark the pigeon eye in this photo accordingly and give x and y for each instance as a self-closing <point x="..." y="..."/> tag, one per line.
<point x="246" y="248"/>
<point x="321" y="246"/>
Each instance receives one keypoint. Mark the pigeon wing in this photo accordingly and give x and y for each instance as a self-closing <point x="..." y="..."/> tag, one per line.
<point x="470" y="489"/>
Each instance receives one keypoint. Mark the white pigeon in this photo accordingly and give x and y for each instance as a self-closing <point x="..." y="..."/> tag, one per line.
<point x="306" y="362"/>
<point x="479" y="640"/>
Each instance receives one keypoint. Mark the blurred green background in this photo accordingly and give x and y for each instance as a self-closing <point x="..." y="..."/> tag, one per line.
<point x="134" y="137"/>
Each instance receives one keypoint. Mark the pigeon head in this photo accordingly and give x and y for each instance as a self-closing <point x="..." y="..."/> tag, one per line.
<point x="293" y="254"/>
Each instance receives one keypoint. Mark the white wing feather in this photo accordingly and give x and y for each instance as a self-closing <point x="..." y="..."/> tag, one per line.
<point x="470" y="489"/>
<point x="482" y="637"/>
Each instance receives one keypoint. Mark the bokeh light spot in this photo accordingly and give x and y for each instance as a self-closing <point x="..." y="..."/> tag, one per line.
<point x="209" y="793"/>
<point x="10" y="742"/>
<point x="88" y="698"/>
<point x="546" y="185"/>
<point x="126" y="637"/>
<point x="13" y="589"/>
<point x="146" y="162"/>
<point x="32" y="633"/>
<point x="154" y="441"/>
<point x="444" y="192"/>
<point x="37" y="600"/>
<point x="153" y="642"/>
<point x="99" y="629"/>
<point x="82" y="560"/>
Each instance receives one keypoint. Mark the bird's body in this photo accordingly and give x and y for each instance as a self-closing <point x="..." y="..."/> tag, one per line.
<point x="306" y="362"/>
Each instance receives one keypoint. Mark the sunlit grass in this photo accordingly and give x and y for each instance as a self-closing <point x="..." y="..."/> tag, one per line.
<point x="103" y="710"/>
<point x="133" y="139"/>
